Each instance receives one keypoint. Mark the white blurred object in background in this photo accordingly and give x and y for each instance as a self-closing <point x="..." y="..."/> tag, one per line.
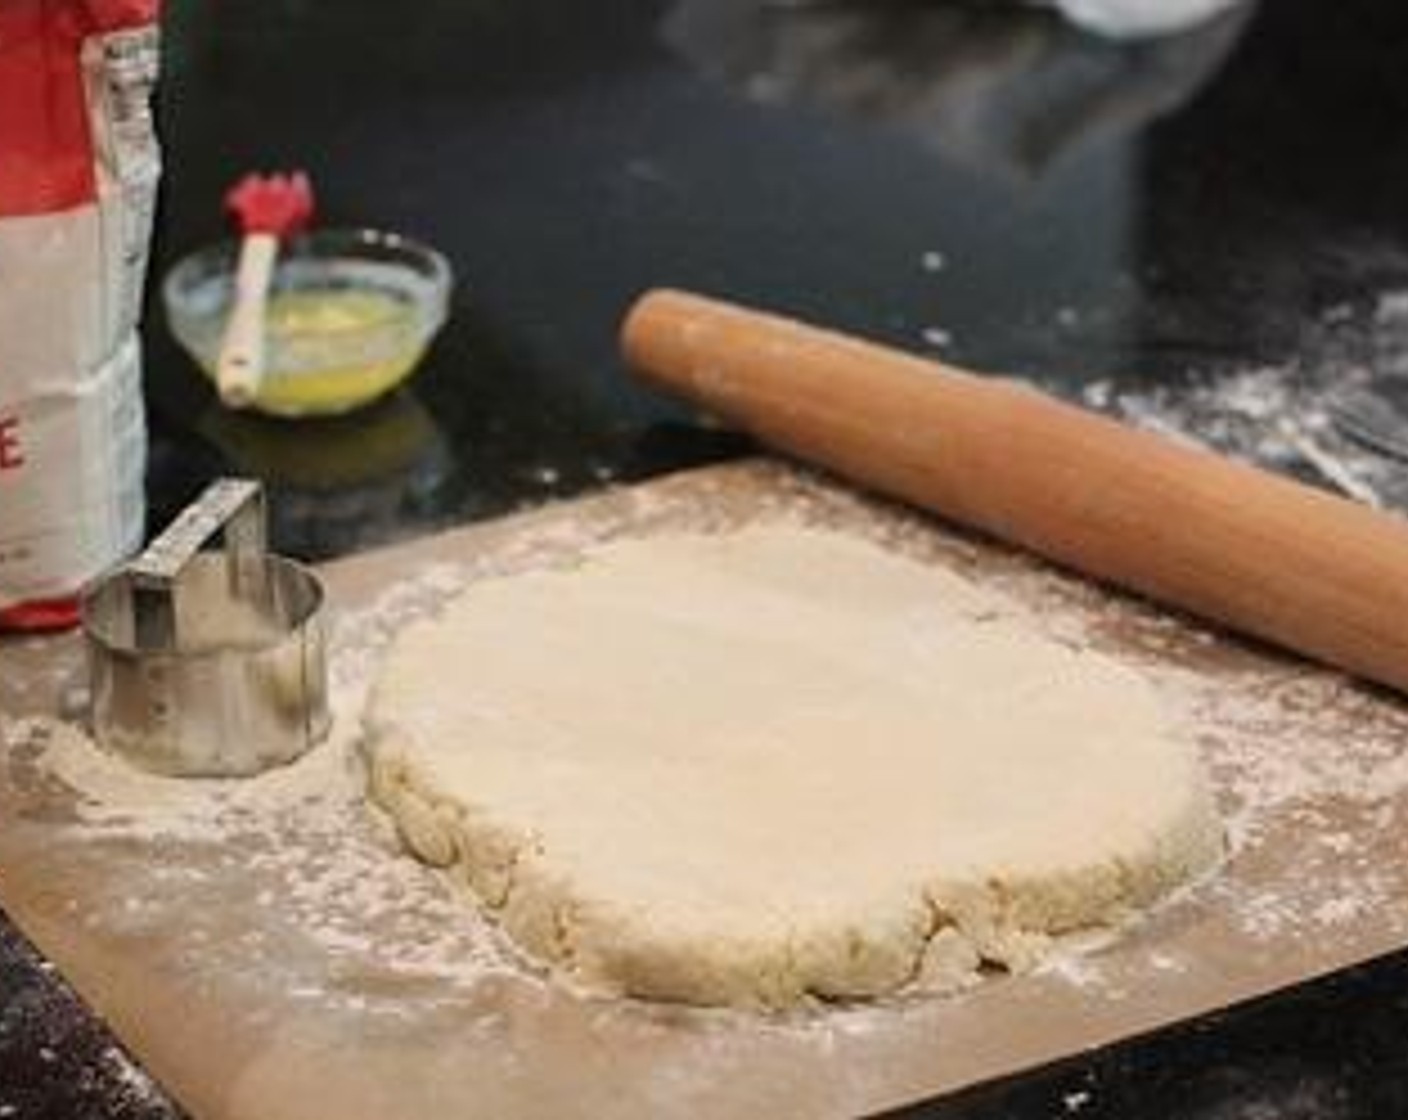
<point x="1131" y="19"/>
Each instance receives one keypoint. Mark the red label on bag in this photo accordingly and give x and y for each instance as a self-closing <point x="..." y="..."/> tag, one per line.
<point x="47" y="160"/>
<point x="11" y="454"/>
<point x="113" y="15"/>
<point x="47" y="164"/>
<point x="37" y="618"/>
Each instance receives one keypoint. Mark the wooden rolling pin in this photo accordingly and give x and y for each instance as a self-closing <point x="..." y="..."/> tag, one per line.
<point x="1309" y="571"/>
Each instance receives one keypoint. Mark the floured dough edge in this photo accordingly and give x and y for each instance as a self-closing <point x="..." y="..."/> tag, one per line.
<point x="940" y="938"/>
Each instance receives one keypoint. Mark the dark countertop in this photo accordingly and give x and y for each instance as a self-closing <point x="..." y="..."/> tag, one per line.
<point x="986" y="185"/>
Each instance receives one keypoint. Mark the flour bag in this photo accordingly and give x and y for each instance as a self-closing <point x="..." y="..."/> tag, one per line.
<point x="78" y="174"/>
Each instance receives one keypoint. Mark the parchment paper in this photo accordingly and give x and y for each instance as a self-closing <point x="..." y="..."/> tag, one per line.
<point x="266" y="953"/>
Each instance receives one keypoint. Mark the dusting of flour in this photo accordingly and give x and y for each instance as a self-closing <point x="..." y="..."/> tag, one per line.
<point x="322" y="867"/>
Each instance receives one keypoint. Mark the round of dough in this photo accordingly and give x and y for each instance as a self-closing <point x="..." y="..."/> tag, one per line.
<point x="781" y="763"/>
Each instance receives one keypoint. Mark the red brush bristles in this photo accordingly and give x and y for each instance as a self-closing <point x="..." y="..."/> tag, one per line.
<point x="278" y="204"/>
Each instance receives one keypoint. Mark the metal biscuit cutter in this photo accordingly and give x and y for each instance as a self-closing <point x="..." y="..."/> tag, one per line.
<point x="209" y="663"/>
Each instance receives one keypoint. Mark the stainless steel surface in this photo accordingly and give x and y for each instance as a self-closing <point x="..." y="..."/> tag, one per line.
<point x="203" y="663"/>
<point x="232" y="504"/>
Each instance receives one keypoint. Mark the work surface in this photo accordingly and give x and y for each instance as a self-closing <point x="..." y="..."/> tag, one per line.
<point x="266" y="956"/>
<point x="1235" y="224"/>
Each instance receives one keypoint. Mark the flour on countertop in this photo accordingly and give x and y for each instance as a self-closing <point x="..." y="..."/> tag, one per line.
<point x="1281" y="416"/>
<point x="332" y="873"/>
<point x="1272" y="417"/>
<point x="131" y="1084"/>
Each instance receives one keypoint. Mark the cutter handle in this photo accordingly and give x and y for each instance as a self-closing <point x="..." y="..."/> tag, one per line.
<point x="232" y="504"/>
<point x="1240" y="546"/>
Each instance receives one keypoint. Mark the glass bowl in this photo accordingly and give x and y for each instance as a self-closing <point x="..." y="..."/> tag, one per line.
<point x="351" y="313"/>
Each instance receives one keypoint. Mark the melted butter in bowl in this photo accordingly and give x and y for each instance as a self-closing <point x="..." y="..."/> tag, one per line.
<point x="350" y="316"/>
<point x="337" y="347"/>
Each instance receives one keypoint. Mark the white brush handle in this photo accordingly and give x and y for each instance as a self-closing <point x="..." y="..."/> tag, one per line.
<point x="240" y="369"/>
